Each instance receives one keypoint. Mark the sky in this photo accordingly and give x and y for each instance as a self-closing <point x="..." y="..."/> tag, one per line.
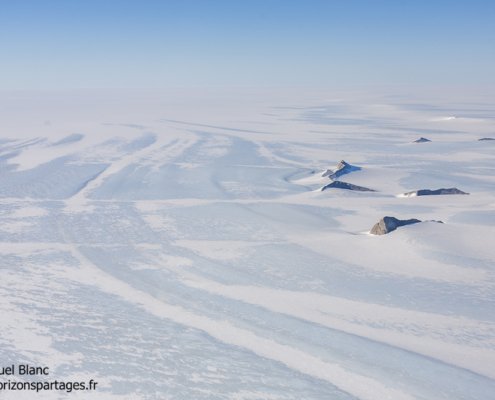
<point x="62" y="44"/>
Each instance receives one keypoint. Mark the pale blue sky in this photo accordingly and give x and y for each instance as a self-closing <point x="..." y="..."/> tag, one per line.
<point x="54" y="44"/>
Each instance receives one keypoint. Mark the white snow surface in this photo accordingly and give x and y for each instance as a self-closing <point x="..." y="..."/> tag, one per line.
<point x="173" y="244"/>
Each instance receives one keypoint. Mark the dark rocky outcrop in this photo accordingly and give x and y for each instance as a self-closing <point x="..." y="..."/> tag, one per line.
<point x="389" y="224"/>
<point x="422" y="140"/>
<point x="486" y="138"/>
<point x="428" y="192"/>
<point x="345" y="185"/>
<point x="341" y="169"/>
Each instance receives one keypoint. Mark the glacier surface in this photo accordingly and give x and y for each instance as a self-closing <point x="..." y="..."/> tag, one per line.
<point x="176" y="246"/>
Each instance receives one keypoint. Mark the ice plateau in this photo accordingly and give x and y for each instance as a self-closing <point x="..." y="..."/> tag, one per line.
<point x="174" y="245"/>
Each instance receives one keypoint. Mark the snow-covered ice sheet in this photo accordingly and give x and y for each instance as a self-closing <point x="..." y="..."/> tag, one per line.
<point x="176" y="246"/>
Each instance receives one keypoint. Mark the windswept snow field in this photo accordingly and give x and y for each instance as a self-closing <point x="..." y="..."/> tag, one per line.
<point x="178" y="246"/>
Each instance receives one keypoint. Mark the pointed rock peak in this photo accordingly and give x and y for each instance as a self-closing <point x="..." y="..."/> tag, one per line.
<point x="342" y="164"/>
<point x="422" y="140"/>
<point x="342" y="168"/>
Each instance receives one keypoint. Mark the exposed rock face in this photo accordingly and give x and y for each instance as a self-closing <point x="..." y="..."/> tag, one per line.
<point x="341" y="169"/>
<point x="486" y="138"/>
<point x="345" y="185"/>
<point x="422" y="140"/>
<point x="428" y="192"/>
<point x="389" y="224"/>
